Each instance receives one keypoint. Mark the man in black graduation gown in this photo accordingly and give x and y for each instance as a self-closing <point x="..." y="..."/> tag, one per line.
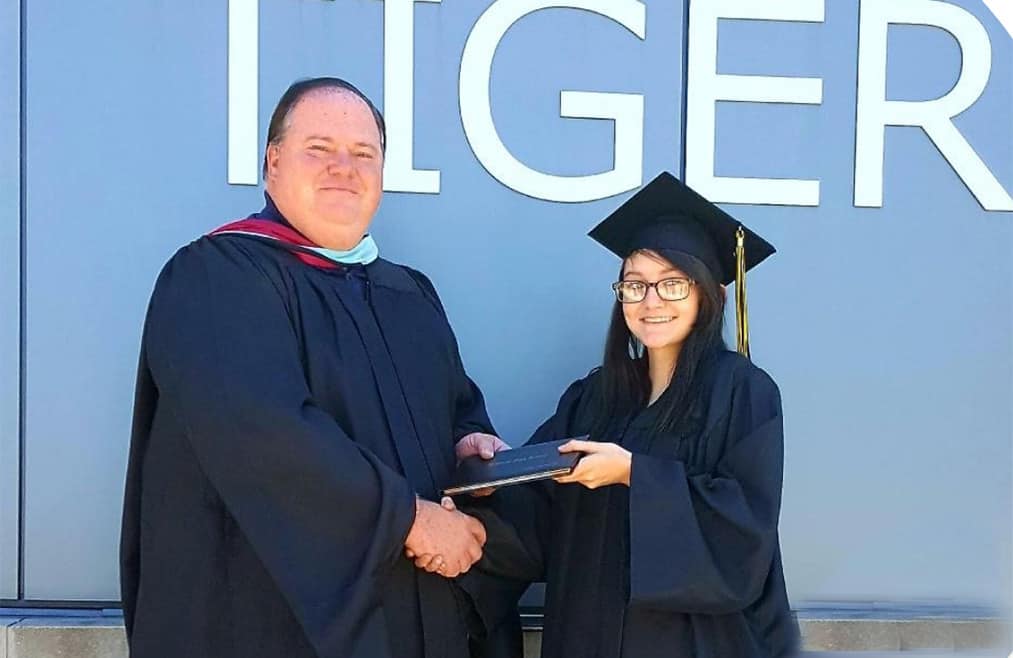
<point x="297" y="408"/>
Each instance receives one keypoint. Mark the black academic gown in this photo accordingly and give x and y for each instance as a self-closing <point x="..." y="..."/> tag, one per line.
<point x="685" y="562"/>
<point x="285" y="417"/>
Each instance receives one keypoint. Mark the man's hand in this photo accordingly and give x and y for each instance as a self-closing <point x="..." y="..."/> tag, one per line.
<point x="602" y="465"/>
<point x="443" y="540"/>
<point x="477" y="443"/>
<point x="484" y="445"/>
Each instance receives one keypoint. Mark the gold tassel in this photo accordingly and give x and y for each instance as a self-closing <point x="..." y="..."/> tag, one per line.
<point x="741" y="314"/>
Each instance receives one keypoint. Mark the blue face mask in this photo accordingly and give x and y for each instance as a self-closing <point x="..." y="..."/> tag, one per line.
<point x="363" y="253"/>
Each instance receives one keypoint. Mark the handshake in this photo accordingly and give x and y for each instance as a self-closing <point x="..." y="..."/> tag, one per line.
<point x="444" y="540"/>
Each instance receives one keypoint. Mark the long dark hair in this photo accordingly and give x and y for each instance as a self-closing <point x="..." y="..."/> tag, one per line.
<point x="624" y="381"/>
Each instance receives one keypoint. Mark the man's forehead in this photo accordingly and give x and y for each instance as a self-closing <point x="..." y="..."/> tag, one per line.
<point x="330" y="104"/>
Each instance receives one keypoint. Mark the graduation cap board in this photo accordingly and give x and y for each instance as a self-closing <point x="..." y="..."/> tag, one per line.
<point x="667" y="215"/>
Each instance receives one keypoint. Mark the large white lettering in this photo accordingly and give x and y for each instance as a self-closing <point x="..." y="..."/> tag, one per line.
<point x="244" y="44"/>
<point x="875" y="112"/>
<point x="626" y="110"/>
<point x="705" y="87"/>
<point x="399" y="172"/>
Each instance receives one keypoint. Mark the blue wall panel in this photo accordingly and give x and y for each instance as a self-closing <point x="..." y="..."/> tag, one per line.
<point x="10" y="278"/>
<point x="887" y="328"/>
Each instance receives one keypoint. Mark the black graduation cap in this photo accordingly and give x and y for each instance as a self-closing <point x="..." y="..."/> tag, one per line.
<point x="667" y="215"/>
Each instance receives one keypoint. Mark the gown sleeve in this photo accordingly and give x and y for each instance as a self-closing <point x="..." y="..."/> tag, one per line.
<point x="470" y="414"/>
<point x="145" y="398"/>
<point x="326" y="517"/>
<point x="703" y="543"/>
<point x="517" y="521"/>
<point x="521" y="514"/>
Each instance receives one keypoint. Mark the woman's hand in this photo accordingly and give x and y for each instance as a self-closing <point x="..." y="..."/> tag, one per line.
<point x="602" y="465"/>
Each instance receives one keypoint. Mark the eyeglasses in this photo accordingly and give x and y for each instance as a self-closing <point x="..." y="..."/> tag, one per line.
<point x="669" y="290"/>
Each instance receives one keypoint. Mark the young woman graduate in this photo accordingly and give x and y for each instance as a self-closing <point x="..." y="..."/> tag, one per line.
<point x="663" y="541"/>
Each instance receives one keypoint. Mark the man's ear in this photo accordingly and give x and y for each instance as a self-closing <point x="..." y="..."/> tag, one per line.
<point x="271" y="156"/>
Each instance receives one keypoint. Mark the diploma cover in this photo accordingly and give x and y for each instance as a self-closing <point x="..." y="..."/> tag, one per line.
<point x="525" y="464"/>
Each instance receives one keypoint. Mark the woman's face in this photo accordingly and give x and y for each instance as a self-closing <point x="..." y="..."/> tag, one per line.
<point x="657" y="323"/>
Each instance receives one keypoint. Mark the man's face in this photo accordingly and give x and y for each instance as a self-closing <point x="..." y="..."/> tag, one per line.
<point x="326" y="173"/>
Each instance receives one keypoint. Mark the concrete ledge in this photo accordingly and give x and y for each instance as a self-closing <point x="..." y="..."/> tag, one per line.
<point x="903" y="635"/>
<point x="871" y="626"/>
<point x="865" y="639"/>
<point x="839" y="636"/>
<point x="103" y="637"/>
<point x="74" y="637"/>
<point x="4" y="623"/>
